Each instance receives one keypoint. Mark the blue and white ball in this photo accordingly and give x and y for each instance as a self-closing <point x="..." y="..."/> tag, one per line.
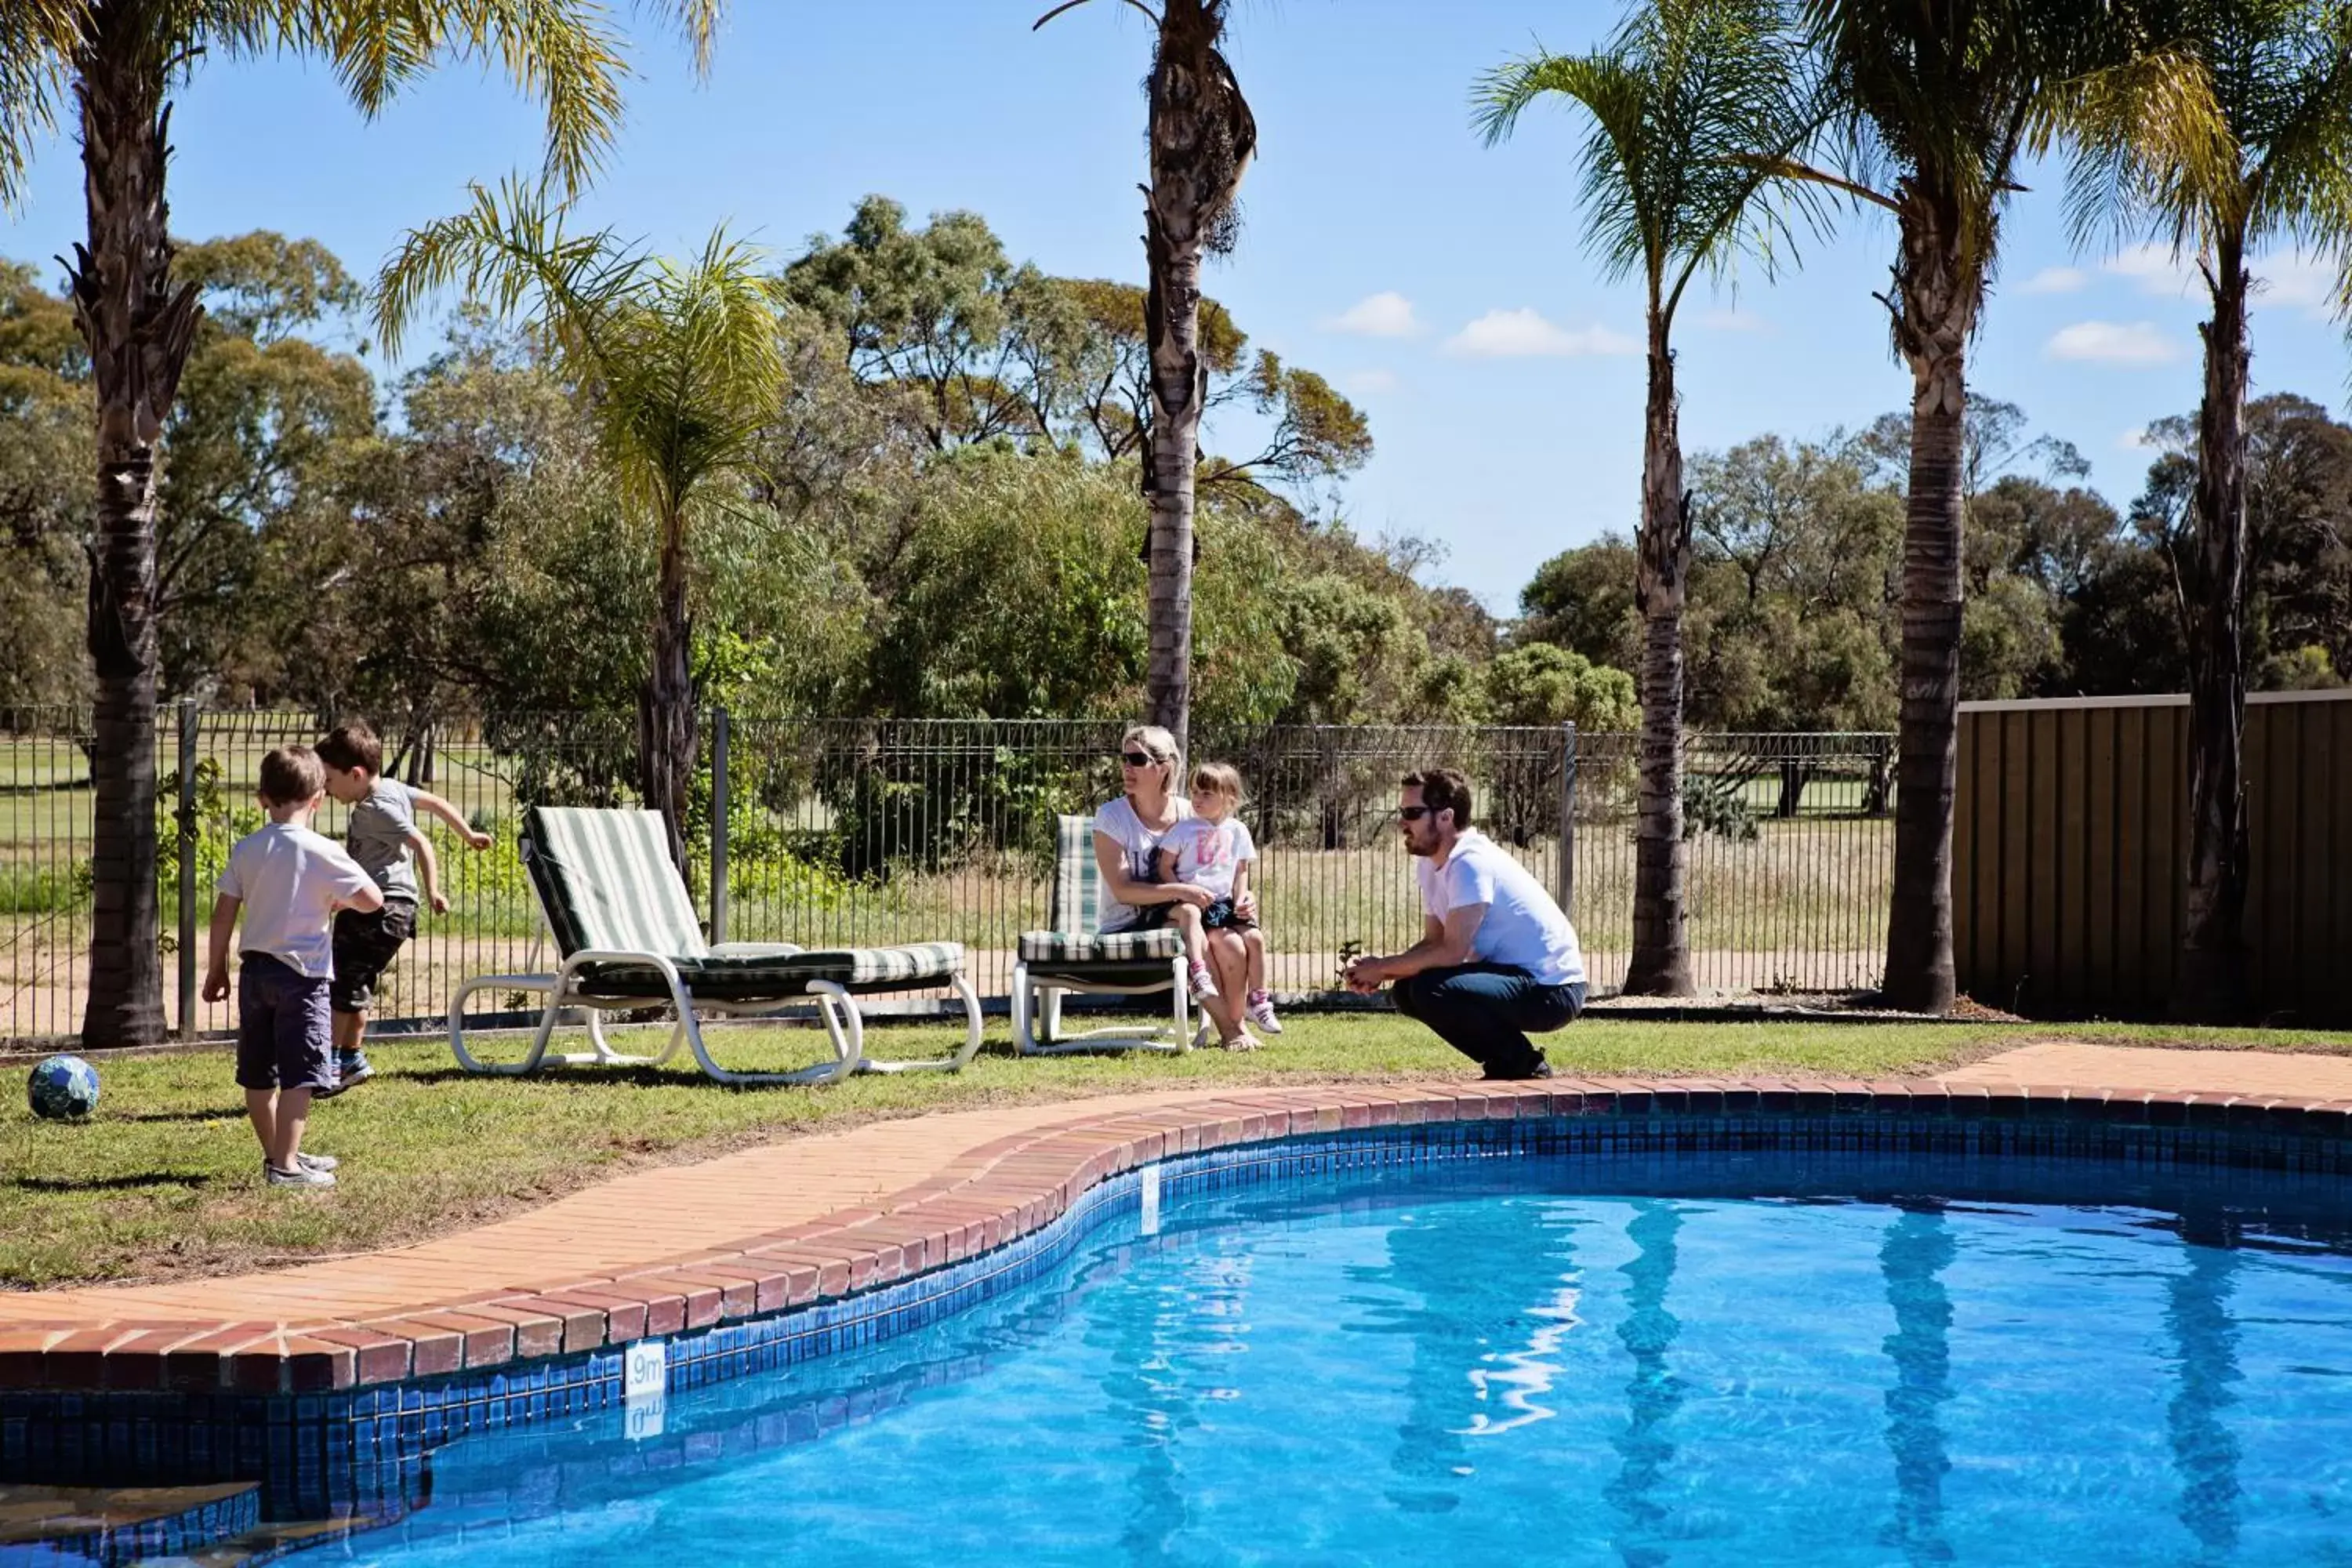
<point x="63" y="1088"/>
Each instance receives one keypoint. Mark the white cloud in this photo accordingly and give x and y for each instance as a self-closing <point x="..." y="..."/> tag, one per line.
<point x="2157" y="270"/>
<point x="2135" y="439"/>
<point x="1524" y="333"/>
<point x="1387" y="314"/>
<point x="1365" y="382"/>
<point x="2054" y="281"/>
<point x="1733" y="320"/>
<point x="2298" y="280"/>
<point x="2112" y="342"/>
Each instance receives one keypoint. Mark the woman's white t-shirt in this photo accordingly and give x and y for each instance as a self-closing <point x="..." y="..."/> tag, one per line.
<point x="1137" y="845"/>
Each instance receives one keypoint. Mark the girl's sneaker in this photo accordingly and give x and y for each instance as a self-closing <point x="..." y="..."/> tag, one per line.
<point x="1260" y="1012"/>
<point x="1205" y="984"/>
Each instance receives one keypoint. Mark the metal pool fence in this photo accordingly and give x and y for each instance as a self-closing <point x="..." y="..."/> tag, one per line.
<point x="834" y="832"/>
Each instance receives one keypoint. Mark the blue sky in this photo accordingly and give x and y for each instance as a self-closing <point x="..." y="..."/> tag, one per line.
<point x="1442" y="284"/>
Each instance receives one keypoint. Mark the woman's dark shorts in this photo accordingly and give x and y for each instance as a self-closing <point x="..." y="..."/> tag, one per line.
<point x="365" y="945"/>
<point x="284" y="1038"/>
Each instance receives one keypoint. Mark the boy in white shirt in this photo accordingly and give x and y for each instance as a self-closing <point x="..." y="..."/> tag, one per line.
<point x="1206" y="859"/>
<point x="287" y="882"/>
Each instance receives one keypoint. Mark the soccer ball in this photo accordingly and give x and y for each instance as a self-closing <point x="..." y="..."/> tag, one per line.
<point x="63" y="1088"/>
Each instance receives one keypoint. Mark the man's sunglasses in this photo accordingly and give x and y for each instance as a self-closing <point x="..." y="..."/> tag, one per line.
<point x="1413" y="813"/>
<point x="1139" y="759"/>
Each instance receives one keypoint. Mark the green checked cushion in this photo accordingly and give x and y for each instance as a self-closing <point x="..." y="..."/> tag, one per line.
<point x="745" y="971"/>
<point x="1116" y="947"/>
<point x="1077" y="909"/>
<point x="605" y="879"/>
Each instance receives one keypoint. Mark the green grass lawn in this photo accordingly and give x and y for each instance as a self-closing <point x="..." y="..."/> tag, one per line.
<point x="165" y="1179"/>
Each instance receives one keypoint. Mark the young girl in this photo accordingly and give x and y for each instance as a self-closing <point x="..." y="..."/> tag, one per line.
<point x="1205" y="863"/>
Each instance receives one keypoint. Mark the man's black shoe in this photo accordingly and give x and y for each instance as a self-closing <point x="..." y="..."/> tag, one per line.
<point x="1542" y="1070"/>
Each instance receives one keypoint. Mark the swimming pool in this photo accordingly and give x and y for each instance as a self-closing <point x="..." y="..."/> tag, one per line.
<point x="1726" y="1357"/>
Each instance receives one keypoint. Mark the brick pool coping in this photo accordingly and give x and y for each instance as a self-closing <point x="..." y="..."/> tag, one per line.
<point x="975" y="1199"/>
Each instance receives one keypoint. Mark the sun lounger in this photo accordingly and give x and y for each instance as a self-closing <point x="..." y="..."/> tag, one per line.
<point x="626" y="933"/>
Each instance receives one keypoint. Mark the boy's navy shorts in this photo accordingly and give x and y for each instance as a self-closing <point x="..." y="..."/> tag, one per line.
<point x="284" y="1040"/>
<point x="365" y="945"/>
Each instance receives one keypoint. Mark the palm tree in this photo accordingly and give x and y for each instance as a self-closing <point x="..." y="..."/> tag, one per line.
<point x="1932" y="103"/>
<point x="2261" y="153"/>
<point x="682" y="365"/>
<point x="1685" y="89"/>
<point x="1203" y="137"/>
<point x="121" y="61"/>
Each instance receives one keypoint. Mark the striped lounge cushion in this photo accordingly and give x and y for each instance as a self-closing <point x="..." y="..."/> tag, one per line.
<point x="607" y="881"/>
<point x="1114" y="947"/>
<point x="1076" y="908"/>
<point x="749" y="973"/>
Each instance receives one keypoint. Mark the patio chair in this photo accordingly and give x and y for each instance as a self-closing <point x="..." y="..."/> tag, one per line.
<point x="626" y="933"/>
<point x="1073" y="957"/>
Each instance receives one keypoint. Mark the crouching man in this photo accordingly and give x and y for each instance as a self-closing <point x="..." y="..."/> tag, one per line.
<point x="1497" y="960"/>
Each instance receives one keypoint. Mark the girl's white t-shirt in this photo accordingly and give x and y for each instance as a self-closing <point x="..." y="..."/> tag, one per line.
<point x="1137" y="845"/>
<point x="1208" y="853"/>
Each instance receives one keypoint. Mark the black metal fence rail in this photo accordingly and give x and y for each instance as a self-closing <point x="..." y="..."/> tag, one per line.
<point x="830" y="832"/>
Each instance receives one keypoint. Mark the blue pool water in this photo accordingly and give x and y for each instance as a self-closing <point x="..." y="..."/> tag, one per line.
<point x="1523" y="1365"/>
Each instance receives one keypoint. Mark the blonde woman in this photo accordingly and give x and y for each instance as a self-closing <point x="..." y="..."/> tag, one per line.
<point x="1128" y="832"/>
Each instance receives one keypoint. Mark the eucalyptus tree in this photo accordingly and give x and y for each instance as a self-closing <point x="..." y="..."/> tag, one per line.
<point x="1932" y="104"/>
<point x="1679" y="100"/>
<point x="117" y="63"/>
<point x="2250" y="147"/>
<point x="681" y="365"/>
<point x="1202" y="137"/>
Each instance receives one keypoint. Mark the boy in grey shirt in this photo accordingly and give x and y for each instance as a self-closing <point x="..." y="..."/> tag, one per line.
<point x="286" y="881"/>
<point x="385" y="839"/>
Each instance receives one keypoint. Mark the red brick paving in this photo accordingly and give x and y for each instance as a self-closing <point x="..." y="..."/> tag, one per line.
<point x="822" y="1215"/>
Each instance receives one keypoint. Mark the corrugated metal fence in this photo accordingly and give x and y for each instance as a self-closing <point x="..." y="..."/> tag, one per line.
<point x="2070" y="851"/>
<point x="853" y="831"/>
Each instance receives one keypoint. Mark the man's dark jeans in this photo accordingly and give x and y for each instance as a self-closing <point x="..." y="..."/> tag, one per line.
<point x="1487" y="1011"/>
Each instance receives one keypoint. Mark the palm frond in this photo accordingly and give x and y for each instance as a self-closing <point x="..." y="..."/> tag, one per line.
<point x="37" y="38"/>
<point x="1698" y="108"/>
<point x="681" y="363"/>
<point x="2235" y="131"/>
<point x="510" y="251"/>
<point x="2147" y="134"/>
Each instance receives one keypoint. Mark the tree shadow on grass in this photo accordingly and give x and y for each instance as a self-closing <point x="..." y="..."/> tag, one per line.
<point x="108" y="1183"/>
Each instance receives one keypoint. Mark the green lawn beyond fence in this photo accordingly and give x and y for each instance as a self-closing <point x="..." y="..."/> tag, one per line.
<point x="845" y="832"/>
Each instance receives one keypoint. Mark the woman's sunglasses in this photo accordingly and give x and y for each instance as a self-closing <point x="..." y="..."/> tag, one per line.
<point x="1139" y="759"/>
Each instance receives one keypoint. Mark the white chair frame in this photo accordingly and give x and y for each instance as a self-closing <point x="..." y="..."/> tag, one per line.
<point x="1037" y="1016"/>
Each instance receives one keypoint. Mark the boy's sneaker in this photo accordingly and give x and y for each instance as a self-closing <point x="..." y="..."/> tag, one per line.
<point x="1260" y="1012"/>
<point x="301" y="1175"/>
<point x="1205" y="984"/>
<point x="350" y="1071"/>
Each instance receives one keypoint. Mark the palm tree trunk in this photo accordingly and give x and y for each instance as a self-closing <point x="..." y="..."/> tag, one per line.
<point x="138" y="329"/>
<point x="1171" y="324"/>
<point x="1201" y="136"/>
<point x="666" y="727"/>
<point x="1937" y="310"/>
<point x="2212" y="984"/>
<point x="1661" y="960"/>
